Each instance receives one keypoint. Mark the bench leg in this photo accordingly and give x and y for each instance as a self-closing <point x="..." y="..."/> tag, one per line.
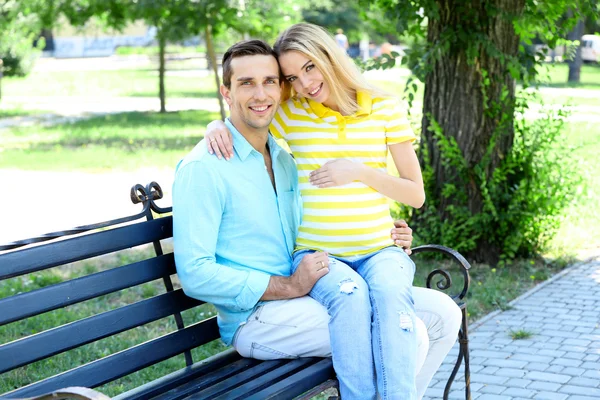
<point x="463" y="353"/>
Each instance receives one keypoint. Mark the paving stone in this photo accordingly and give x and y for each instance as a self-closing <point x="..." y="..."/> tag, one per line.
<point x="544" y="386"/>
<point x="556" y="369"/>
<point x="548" y="377"/>
<point x="505" y="363"/>
<point x="574" y="371"/>
<point x="566" y="362"/>
<point x="550" y="396"/>
<point x="494" y="389"/>
<point x="518" y="392"/>
<point x="518" y="383"/>
<point x="591" y="357"/>
<point x="487" y="396"/>
<point x="584" y="382"/>
<point x="489" y="379"/>
<point x="584" y="391"/>
<point x="510" y="372"/>
<point x="537" y="367"/>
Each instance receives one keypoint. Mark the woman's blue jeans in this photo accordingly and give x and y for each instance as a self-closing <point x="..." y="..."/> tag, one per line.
<point x="372" y="322"/>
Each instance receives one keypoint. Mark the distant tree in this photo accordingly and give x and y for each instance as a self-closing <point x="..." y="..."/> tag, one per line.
<point x="19" y="27"/>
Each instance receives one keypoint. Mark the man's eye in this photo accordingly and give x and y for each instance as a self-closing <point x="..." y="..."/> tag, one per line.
<point x="271" y="81"/>
<point x="246" y="83"/>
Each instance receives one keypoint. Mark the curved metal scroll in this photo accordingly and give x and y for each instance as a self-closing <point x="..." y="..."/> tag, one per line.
<point x="139" y="194"/>
<point x="446" y="281"/>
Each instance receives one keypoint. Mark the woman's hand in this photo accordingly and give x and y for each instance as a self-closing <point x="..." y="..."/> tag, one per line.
<point x="401" y="234"/>
<point x="336" y="173"/>
<point x="219" y="140"/>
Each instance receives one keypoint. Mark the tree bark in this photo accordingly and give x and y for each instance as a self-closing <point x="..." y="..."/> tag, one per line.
<point x="454" y="98"/>
<point x="577" y="61"/>
<point x="213" y="62"/>
<point x="161" y="71"/>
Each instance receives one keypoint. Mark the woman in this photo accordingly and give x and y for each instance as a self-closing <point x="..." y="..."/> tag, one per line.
<point x="340" y="128"/>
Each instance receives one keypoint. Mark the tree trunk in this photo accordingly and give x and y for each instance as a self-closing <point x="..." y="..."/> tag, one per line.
<point x="213" y="62"/>
<point x="577" y="61"/>
<point x="454" y="98"/>
<point x="161" y="71"/>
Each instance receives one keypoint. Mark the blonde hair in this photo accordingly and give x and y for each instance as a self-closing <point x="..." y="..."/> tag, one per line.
<point x="339" y="71"/>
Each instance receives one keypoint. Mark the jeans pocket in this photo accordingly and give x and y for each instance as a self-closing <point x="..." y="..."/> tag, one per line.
<point x="261" y="352"/>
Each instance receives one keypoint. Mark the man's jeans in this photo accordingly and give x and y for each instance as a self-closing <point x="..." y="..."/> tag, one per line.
<point x="299" y="328"/>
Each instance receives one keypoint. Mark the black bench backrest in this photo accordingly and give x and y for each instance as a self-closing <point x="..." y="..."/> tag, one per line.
<point x="60" y="339"/>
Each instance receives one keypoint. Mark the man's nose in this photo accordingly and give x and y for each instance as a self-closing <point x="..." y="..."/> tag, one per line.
<point x="260" y="92"/>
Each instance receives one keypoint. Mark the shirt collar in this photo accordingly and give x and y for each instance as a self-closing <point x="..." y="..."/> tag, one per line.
<point x="243" y="148"/>
<point x="365" y="103"/>
<point x="364" y="100"/>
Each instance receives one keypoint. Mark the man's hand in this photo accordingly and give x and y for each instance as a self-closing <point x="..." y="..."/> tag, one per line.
<point x="312" y="268"/>
<point x="401" y="234"/>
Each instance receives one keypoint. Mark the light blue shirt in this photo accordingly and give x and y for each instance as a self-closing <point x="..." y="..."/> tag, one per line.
<point x="231" y="229"/>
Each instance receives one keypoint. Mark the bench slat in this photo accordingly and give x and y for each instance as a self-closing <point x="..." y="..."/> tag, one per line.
<point x="50" y="255"/>
<point x="298" y="383"/>
<point x="63" y="294"/>
<point x="169" y="386"/>
<point x="125" y="362"/>
<point x="54" y="341"/>
<point x="238" y="380"/>
<point x="265" y="380"/>
<point x="209" y="379"/>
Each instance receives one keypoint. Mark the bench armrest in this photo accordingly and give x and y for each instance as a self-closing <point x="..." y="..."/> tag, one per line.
<point x="446" y="281"/>
<point x="75" y="392"/>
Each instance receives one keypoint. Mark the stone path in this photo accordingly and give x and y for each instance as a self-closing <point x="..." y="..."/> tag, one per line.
<point x="561" y="361"/>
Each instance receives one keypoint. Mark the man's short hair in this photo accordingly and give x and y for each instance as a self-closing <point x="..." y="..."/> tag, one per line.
<point x="252" y="47"/>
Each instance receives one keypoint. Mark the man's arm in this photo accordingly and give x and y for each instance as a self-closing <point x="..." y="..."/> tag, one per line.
<point x="311" y="269"/>
<point x="198" y="205"/>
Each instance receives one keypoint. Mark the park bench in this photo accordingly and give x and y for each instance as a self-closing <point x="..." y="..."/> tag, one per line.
<point x="225" y="375"/>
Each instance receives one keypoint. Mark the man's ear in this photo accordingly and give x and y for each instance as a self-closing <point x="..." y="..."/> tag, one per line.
<point x="226" y="93"/>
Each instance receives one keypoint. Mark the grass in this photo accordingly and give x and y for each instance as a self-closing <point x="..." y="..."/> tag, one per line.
<point x="94" y="84"/>
<point x="555" y="75"/>
<point x="112" y="142"/>
<point x="17" y="112"/>
<point x="581" y="227"/>
<point x="520" y="334"/>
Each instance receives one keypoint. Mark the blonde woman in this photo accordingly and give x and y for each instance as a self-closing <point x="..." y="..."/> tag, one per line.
<point x="340" y="129"/>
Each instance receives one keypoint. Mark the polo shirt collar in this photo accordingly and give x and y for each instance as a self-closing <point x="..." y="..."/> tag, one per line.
<point x="364" y="100"/>
<point x="243" y="148"/>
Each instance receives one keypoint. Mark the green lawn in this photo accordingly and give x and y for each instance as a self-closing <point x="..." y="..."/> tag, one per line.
<point x="556" y="75"/>
<point x="140" y="83"/>
<point x="113" y="142"/>
<point x="581" y="226"/>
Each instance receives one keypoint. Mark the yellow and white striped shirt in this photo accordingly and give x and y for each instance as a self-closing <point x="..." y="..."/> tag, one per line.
<point x="352" y="219"/>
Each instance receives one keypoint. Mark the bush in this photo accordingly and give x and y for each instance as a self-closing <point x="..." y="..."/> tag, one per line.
<point x="523" y="201"/>
<point x="16" y="46"/>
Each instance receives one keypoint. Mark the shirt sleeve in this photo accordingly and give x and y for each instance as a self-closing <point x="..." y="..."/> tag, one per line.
<point x="199" y="199"/>
<point x="397" y="128"/>
<point x="278" y="126"/>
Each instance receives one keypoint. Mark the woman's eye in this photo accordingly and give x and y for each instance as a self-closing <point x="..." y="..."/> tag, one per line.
<point x="292" y="79"/>
<point x="308" y="68"/>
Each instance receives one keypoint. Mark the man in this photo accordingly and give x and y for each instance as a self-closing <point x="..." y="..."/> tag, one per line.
<point x="235" y="224"/>
<point x="341" y="39"/>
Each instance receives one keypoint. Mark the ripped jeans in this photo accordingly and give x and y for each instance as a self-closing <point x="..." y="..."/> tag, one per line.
<point x="372" y="323"/>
